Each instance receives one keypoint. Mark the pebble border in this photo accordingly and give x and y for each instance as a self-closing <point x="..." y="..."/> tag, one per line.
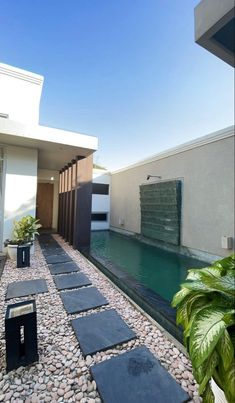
<point x="62" y="374"/>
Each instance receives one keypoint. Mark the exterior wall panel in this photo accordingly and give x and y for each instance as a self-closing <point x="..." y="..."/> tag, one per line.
<point x="207" y="174"/>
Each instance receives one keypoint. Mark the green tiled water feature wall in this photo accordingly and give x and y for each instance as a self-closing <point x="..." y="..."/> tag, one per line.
<point x="161" y="211"/>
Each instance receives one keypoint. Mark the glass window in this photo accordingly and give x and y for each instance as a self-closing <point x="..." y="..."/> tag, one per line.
<point x="100" y="189"/>
<point x="99" y="217"/>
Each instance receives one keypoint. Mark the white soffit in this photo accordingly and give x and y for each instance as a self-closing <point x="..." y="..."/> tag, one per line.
<point x="214" y="28"/>
<point x="55" y="147"/>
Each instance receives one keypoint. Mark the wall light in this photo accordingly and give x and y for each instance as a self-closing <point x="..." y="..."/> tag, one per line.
<point x="153" y="176"/>
<point x="52" y="178"/>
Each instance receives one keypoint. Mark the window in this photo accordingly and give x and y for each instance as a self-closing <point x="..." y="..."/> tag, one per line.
<point x="100" y="189"/>
<point x="99" y="217"/>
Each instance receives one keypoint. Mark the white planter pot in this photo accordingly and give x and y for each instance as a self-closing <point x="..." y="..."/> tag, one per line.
<point x="12" y="251"/>
<point x="218" y="393"/>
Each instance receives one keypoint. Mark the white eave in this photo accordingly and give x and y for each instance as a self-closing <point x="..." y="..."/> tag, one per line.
<point x="55" y="147"/>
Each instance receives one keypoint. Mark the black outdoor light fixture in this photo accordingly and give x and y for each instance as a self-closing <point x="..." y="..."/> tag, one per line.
<point x="153" y="176"/>
<point x="23" y="256"/>
<point x="21" y="334"/>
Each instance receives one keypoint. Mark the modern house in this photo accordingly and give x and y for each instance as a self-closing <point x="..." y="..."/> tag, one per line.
<point x="44" y="171"/>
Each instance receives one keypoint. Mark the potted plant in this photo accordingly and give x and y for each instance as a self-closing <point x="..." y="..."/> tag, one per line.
<point x="23" y="234"/>
<point x="205" y="309"/>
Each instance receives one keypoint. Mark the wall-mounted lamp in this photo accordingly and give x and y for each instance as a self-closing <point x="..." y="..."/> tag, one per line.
<point x="153" y="176"/>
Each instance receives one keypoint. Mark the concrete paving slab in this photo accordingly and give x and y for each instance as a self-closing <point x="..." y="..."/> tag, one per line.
<point x="82" y="300"/>
<point x="136" y="376"/>
<point x="63" y="268"/>
<point x="25" y="288"/>
<point x="53" y="259"/>
<point x="68" y="281"/>
<point x="101" y="331"/>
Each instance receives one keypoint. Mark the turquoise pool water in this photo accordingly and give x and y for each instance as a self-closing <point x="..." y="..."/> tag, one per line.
<point x="152" y="267"/>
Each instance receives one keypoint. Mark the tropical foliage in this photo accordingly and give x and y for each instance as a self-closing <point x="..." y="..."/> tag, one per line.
<point x="205" y="309"/>
<point x="25" y="229"/>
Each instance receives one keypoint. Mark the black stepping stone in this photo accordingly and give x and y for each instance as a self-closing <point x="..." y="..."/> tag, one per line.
<point x="74" y="280"/>
<point x="52" y="251"/>
<point x="136" y="376"/>
<point x="82" y="300"/>
<point x="100" y="331"/>
<point x="24" y="288"/>
<point x="63" y="268"/>
<point x="51" y="244"/>
<point x="52" y="259"/>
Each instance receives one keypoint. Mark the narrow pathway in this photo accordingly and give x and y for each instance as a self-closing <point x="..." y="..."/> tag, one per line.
<point x="63" y="373"/>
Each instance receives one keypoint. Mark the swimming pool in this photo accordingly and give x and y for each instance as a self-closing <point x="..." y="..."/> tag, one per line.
<point x="149" y="275"/>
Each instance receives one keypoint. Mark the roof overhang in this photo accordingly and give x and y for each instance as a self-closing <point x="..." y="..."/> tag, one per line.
<point x="55" y="147"/>
<point x="215" y="28"/>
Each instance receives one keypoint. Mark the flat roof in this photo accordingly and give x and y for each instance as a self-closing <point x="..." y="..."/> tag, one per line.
<point x="55" y="147"/>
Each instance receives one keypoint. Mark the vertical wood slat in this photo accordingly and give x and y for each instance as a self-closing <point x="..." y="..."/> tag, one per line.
<point x="75" y="192"/>
<point x="69" y="212"/>
<point x="72" y="198"/>
<point x="82" y="202"/>
<point x="59" y="202"/>
<point x="64" y="203"/>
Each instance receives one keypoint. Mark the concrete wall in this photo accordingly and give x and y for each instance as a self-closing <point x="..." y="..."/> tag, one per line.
<point x="206" y="168"/>
<point x="20" y="186"/>
<point x="101" y="203"/>
<point x="45" y="176"/>
<point x="20" y="94"/>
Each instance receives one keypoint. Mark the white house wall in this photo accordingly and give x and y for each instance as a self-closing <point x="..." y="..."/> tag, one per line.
<point x="20" y="186"/>
<point x="20" y="94"/>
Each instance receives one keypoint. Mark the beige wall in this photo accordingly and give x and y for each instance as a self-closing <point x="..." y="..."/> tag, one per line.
<point x="207" y="178"/>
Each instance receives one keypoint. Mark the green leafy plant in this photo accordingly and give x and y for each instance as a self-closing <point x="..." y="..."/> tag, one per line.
<point x="205" y="309"/>
<point x="25" y="230"/>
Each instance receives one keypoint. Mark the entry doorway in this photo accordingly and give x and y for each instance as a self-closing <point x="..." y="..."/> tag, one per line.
<point x="44" y="209"/>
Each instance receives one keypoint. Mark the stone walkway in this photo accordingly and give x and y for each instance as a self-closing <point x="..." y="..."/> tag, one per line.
<point x="62" y="374"/>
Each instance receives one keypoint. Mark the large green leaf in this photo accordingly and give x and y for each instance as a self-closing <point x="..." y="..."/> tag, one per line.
<point x="207" y="370"/>
<point x="182" y="315"/>
<point x="224" y="283"/>
<point x="229" y="387"/>
<point x="184" y="307"/>
<point x="225" y="350"/>
<point x="229" y="317"/>
<point x="208" y="396"/>
<point x="228" y="263"/>
<point x="180" y="296"/>
<point x="207" y="327"/>
<point x="196" y="286"/>
<point x="193" y="274"/>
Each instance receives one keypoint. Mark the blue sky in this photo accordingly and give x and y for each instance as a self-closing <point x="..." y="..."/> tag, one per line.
<point x="126" y="71"/>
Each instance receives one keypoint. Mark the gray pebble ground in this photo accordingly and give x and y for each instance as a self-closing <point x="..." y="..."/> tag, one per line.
<point x="62" y="374"/>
